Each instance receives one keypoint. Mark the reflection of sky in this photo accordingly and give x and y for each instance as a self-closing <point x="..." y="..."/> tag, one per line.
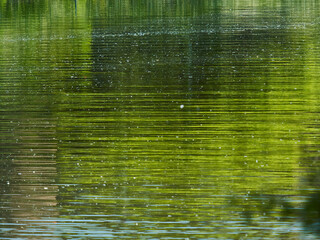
<point x="82" y="226"/>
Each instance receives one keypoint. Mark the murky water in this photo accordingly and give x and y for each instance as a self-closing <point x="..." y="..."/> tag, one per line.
<point x="159" y="119"/>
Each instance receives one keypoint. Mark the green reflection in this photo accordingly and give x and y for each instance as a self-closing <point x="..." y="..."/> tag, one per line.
<point x="162" y="118"/>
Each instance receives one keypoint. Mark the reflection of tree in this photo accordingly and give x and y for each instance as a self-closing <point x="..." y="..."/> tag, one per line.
<point x="130" y="145"/>
<point x="16" y="10"/>
<point x="310" y="183"/>
<point x="127" y="150"/>
<point x="302" y="206"/>
<point x="33" y="55"/>
<point x="311" y="213"/>
<point x="28" y="165"/>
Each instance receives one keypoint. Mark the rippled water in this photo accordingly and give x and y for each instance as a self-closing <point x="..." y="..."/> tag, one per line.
<point x="159" y="119"/>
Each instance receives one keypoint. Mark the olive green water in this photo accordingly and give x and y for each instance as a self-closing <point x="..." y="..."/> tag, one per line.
<point x="159" y="119"/>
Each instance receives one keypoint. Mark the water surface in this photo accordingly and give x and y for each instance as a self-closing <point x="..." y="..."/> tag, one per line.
<point x="159" y="119"/>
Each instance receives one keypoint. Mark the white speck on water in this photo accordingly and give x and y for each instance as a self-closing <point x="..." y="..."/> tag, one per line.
<point x="181" y="106"/>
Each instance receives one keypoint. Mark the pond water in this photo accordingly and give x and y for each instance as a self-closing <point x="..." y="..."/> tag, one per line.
<point x="159" y="119"/>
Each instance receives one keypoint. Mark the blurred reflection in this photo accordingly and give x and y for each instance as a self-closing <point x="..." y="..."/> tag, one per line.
<point x="159" y="119"/>
<point x="28" y="173"/>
